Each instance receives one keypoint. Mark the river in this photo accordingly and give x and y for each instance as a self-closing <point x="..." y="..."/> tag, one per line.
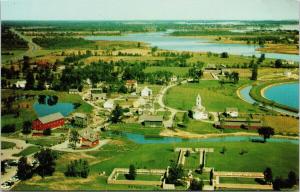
<point x="165" y="41"/>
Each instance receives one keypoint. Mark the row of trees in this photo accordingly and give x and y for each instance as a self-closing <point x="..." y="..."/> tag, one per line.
<point x="78" y="168"/>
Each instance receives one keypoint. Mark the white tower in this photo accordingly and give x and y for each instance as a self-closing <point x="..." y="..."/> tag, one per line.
<point x="198" y="101"/>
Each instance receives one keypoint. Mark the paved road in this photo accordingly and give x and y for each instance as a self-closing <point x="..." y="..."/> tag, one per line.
<point x="20" y="145"/>
<point x="173" y="111"/>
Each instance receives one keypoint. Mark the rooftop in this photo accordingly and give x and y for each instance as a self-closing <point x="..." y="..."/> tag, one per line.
<point x="80" y="115"/>
<point x="150" y="118"/>
<point x="51" y="117"/>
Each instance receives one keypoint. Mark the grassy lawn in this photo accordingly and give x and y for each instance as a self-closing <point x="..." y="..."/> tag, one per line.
<point x="135" y="128"/>
<point x="29" y="150"/>
<point x="192" y="162"/>
<point x="45" y="141"/>
<point x="214" y="96"/>
<point x="281" y="157"/>
<point x="238" y="180"/>
<point x="178" y="71"/>
<point x="7" y="145"/>
<point x="200" y="127"/>
<point x="141" y="177"/>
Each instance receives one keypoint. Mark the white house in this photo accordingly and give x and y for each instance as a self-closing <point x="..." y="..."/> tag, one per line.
<point x="287" y="73"/>
<point x="21" y="84"/>
<point x="174" y="78"/>
<point x="109" y="104"/>
<point x="146" y="92"/>
<point x="232" y="112"/>
<point x="200" y="115"/>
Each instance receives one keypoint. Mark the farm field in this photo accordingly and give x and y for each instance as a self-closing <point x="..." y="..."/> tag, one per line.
<point x="210" y="92"/>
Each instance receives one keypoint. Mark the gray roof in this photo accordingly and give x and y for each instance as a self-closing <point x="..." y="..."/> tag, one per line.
<point x="81" y="115"/>
<point x="51" y="117"/>
<point x="150" y="118"/>
<point x="89" y="134"/>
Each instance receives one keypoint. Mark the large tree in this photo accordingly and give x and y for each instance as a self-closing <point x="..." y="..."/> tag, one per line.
<point x="24" y="171"/>
<point x="74" y="138"/>
<point x="116" y="115"/>
<point x="196" y="185"/>
<point x="254" y="72"/>
<point x="46" y="159"/>
<point x="176" y="172"/>
<point x="266" y="132"/>
<point x="30" y="81"/>
<point x="268" y="175"/>
<point x="132" y="172"/>
<point x="26" y="128"/>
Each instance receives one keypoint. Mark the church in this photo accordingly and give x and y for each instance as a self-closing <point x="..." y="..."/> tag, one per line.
<point x="199" y="112"/>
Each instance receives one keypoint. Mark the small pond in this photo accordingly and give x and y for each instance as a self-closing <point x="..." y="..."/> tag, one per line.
<point x="44" y="109"/>
<point x="285" y="94"/>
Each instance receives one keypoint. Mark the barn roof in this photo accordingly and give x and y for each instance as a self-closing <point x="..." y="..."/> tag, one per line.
<point x="51" y="117"/>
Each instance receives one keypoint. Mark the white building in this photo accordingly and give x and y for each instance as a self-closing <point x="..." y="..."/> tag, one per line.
<point x="232" y="112"/>
<point x="199" y="112"/>
<point x="146" y="92"/>
<point x="174" y="78"/>
<point x="21" y="84"/>
<point x="109" y="104"/>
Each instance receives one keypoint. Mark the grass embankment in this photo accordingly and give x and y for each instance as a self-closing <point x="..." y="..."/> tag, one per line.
<point x="7" y="145"/>
<point x="280" y="157"/>
<point x="255" y="93"/>
<point x="28" y="151"/>
<point x="214" y="96"/>
<point x="280" y="48"/>
<point x="135" y="128"/>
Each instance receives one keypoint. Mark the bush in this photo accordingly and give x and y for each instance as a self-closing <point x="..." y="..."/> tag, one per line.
<point x="47" y="132"/>
<point x="9" y="128"/>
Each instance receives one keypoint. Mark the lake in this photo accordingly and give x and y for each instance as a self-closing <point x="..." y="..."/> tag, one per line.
<point x="285" y="94"/>
<point x="141" y="139"/>
<point x="164" y="41"/>
<point x="44" y="109"/>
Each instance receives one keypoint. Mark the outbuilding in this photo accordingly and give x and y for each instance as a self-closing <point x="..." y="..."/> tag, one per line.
<point x="151" y="120"/>
<point x="146" y="92"/>
<point x="232" y="112"/>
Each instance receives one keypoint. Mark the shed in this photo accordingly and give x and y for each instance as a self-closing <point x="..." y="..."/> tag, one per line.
<point x="151" y="120"/>
<point x="89" y="138"/>
<point x="232" y="111"/>
<point x="109" y="104"/>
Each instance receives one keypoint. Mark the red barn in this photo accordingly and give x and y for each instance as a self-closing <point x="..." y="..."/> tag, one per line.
<point x="48" y="122"/>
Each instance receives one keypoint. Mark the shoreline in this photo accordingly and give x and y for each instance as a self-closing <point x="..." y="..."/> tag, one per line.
<point x="189" y="135"/>
<point x="263" y="90"/>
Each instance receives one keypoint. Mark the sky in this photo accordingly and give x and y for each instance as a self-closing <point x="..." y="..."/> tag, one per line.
<point x="149" y="9"/>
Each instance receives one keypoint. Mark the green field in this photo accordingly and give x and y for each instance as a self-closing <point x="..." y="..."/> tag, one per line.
<point x="29" y="150"/>
<point x="178" y="71"/>
<point x="7" y="145"/>
<point x="281" y="157"/>
<point x="214" y="96"/>
<point x="135" y="128"/>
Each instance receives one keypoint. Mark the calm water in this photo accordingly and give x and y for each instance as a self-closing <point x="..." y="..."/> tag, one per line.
<point x="286" y="94"/>
<point x="43" y="109"/>
<point x="141" y="139"/>
<point x="165" y="41"/>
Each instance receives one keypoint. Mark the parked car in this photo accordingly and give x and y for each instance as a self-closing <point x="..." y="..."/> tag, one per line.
<point x="15" y="178"/>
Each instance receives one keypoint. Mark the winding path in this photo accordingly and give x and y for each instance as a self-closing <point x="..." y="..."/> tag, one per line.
<point x="169" y="122"/>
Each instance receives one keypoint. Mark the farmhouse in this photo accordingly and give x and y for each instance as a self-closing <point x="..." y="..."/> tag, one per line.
<point x="109" y="104"/>
<point x="151" y="120"/>
<point x="236" y="123"/>
<point x="96" y="96"/>
<point x="89" y="138"/>
<point x="48" y="122"/>
<point x="80" y="119"/>
<point x="21" y="84"/>
<point x="146" y="92"/>
<point x="131" y="84"/>
<point x="232" y="112"/>
<point x="73" y="91"/>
